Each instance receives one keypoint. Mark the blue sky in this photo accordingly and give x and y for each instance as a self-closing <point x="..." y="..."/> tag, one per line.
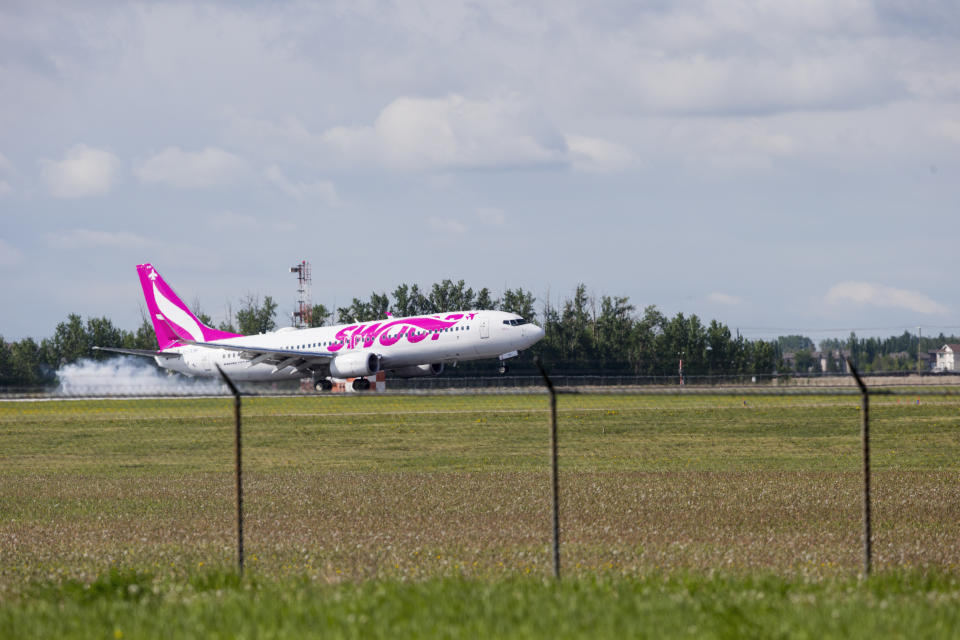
<point x="783" y="167"/>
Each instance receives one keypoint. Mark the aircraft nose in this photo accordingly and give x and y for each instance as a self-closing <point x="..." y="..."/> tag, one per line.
<point x="536" y="333"/>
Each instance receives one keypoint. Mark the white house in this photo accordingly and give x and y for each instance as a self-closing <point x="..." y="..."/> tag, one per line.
<point x="948" y="358"/>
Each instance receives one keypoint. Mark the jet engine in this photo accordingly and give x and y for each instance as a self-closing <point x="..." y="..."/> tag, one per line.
<point x="355" y="365"/>
<point x="416" y="371"/>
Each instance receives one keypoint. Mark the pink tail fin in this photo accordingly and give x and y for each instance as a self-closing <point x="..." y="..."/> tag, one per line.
<point x="172" y="319"/>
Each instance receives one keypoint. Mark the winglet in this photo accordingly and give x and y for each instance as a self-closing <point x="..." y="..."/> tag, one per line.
<point x="172" y="319"/>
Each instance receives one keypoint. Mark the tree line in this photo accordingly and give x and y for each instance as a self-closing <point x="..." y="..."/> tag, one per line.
<point x="584" y="334"/>
<point x="893" y="354"/>
<point x="28" y="363"/>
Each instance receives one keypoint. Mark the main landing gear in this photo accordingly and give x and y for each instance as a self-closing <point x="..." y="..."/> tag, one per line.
<point x="325" y="384"/>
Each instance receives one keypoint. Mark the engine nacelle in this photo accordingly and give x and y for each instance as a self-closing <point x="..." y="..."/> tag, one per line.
<point x="354" y="365"/>
<point x="416" y="371"/>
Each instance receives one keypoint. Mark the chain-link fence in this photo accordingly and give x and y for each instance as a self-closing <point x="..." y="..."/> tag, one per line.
<point x="357" y="485"/>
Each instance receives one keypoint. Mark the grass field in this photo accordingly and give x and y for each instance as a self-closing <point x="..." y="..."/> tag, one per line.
<point x="366" y="516"/>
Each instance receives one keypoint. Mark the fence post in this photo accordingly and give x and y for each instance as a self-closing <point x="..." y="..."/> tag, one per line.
<point x="239" y="465"/>
<point x="553" y="468"/>
<point x="865" y="437"/>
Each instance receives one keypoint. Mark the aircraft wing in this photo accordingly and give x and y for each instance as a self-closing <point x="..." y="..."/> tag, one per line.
<point x="303" y="361"/>
<point x="139" y="352"/>
<point x="280" y="358"/>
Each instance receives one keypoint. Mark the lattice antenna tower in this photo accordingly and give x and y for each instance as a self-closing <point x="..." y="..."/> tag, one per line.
<point x="301" y="316"/>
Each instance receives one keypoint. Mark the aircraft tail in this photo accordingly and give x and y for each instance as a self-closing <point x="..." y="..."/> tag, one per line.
<point x="172" y="319"/>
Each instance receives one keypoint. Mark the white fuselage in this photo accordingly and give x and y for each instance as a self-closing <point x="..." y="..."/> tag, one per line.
<point x="401" y="342"/>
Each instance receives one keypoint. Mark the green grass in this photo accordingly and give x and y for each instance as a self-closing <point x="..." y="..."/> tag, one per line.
<point x="681" y="515"/>
<point x="598" y="432"/>
<point x="219" y="605"/>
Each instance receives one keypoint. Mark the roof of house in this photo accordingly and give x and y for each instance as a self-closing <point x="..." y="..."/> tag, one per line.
<point x="955" y="348"/>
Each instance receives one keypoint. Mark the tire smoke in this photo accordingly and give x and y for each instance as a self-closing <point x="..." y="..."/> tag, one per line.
<point x="129" y="376"/>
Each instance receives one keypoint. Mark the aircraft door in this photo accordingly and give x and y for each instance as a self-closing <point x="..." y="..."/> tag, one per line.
<point x="206" y="360"/>
<point x="484" y="328"/>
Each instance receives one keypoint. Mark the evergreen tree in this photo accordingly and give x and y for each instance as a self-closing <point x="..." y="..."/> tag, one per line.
<point x="26" y="365"/>
<point x="519" y="302"/>
<point x="718" y="348"/>
<point x="71" y="342"/>
<point x="319" y="314"/>
<point x="7" y="376"/>
<point x="403" y="303"/>
<point x="254" y="317"/>
<point x="102" y="333"/>
<point x="613" y="329"/>
<point x="484" y="301"/>
<point x="143" y="338"/>
<point x="379" y="306"/>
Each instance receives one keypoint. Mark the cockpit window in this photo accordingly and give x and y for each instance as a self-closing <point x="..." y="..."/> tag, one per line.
<point x="515" y="322"/>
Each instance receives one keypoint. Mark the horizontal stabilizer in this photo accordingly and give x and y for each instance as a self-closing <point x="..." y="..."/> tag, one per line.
<point x="139" y="352"/>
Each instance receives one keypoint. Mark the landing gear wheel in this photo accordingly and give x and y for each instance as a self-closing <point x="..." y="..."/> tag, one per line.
<point x="503" y="369"/>
<point x="361" y="384"/>
<point x="323" y="385"/>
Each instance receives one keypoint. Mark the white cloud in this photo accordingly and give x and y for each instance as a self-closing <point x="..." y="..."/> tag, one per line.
<point x="491" y="216"/>
<point x="323" y="190"/>
<point x="10" y="256"/>
<point x="723" y="298"/>
<point x="191" y="169"/>
<point x="270" y="137"/>
<point x="758" y="80"/>
<point x="822" y="110"/>
<point x="95" y="239"/>
<point x="458" y="133"/>
<point x="597" y="154"/>
<point x="452" y="132"/>
<point x="714" y="23"/>
<point x="83" y="171"/>
<point x="761" y="141"/>
<point x="748" y="144"/>
<point x="5" y="168"/>
<point x="878" y="295"/>
<point x="230" y="220"/>
<point x="950" y="129"/>
<point x="447" y="226"/>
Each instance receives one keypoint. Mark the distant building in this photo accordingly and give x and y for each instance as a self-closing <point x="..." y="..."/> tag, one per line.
<point x="948" y="358"/>
<point x="928" y="360"/>
<point x="834" y="360"/>
<point x="790" y="360"/>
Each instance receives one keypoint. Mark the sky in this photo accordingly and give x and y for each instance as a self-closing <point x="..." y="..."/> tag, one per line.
<point x="782" y="167"/>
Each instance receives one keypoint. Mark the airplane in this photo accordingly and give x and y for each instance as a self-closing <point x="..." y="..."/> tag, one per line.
<point x="405" y="347"/>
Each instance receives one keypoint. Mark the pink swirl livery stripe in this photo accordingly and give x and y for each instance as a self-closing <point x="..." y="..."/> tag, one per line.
<point x="172" y="320"/>
<point x="415" y="330"/>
